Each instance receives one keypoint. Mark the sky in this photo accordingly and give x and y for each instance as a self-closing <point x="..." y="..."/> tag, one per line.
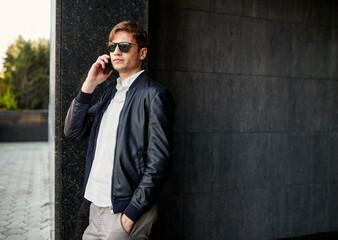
<point x="30" y="18"/>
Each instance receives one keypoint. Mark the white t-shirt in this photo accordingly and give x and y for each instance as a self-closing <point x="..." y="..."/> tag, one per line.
<point x="98" y="189"/>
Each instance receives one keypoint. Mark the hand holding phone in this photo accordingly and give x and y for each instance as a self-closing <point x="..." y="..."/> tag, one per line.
<point x="108" y="67"/>
<point x="97" y="74"/>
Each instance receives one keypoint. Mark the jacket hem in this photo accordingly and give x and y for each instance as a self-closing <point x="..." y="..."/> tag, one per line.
<point x="132" y="212"/>
<point x="84" y="97"/>
<point x="120" y="205"/>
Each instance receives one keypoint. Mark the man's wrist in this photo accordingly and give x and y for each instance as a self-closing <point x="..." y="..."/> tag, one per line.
<point x="127" y="223"/>
<point x="88" y="86"/>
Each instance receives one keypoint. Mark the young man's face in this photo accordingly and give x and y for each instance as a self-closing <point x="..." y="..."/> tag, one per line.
<point x="130" y="62"/>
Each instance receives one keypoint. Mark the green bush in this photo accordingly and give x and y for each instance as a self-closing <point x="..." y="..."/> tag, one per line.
<point x="8" y="101"/>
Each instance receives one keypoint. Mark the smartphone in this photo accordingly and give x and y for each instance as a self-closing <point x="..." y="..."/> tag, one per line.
<point x="108" y="67"/>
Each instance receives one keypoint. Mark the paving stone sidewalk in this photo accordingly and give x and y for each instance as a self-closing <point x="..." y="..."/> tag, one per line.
<point x="24" y="191"/>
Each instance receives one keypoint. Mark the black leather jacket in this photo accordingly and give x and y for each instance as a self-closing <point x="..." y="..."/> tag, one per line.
<point x="144" y="141"/>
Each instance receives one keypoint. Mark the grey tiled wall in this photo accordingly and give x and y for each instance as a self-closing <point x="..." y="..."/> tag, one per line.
<point x="256" y="89"/>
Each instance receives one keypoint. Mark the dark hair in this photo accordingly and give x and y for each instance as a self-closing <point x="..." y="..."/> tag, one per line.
<point x="139" y="34"/>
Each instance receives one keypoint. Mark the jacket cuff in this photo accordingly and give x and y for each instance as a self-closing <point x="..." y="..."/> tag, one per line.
<point x="132" y="212"/>
<point x="84" y="97"/>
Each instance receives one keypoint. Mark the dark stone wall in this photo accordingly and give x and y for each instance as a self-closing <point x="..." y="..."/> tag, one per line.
<point x="23" y="125"/>
<point x="256" y="90"/>
<point x="79" y="32"/>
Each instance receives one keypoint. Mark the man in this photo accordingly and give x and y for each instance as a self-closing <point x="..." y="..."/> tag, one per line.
<point x="131" y="138"/>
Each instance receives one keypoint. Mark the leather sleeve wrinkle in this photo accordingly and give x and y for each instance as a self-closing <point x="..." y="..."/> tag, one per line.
<point x="160" y="135"/>
<point x="79" y="120"/>
<point x="80" y="116"/>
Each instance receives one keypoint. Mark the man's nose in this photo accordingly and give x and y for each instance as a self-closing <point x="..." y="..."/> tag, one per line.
<point x="117" y="50"/>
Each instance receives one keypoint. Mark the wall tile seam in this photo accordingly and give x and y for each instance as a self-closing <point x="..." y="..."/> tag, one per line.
<point x="147" y="20"/>
<point x="184" y="136"/>
<point x="249" y="17"/>
<point x="240" y="49"/>
<point x="247" y="75"/>
<point x="258" y="132"/>
<point x="329" y="145"/>
<point x="213" y="123"/>
<point x="281" y="187"/>
<point x="327" y="184"/>
<point x="328" y="192"/>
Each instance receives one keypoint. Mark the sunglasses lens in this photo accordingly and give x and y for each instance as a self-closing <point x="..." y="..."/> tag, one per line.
<point x="124" y="46"/>
<point x="111" y="47"/>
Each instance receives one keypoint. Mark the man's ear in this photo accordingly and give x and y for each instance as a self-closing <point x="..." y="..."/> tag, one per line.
<point x="143" y="53"/>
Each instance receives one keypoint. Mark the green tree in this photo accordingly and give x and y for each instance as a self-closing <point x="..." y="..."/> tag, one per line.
<point x="26" y="72"/>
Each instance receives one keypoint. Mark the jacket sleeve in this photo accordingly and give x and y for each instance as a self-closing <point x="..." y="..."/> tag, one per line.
<point x="159" y="155"/>
<point x="79" y="117"/>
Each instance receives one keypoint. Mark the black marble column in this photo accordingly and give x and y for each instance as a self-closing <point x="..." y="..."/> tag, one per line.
<point x="80" y="30"/>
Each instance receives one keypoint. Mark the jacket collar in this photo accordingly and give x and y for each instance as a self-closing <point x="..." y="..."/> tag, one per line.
<point x="138" y="80"/>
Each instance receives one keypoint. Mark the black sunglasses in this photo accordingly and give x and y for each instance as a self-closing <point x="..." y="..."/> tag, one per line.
<point x="123" y="46"/>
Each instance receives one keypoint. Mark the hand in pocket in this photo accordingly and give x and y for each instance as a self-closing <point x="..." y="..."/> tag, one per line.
<point x="127" y="223"/>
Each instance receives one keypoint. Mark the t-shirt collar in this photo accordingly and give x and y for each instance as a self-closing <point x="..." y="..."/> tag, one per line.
<point x="126" y="83"/>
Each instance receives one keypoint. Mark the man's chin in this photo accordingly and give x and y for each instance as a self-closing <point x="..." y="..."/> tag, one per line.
<point x="118" y="69"/>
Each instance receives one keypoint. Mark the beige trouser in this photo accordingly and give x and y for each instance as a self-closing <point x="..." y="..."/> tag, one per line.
<point x="104" y="225"/>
